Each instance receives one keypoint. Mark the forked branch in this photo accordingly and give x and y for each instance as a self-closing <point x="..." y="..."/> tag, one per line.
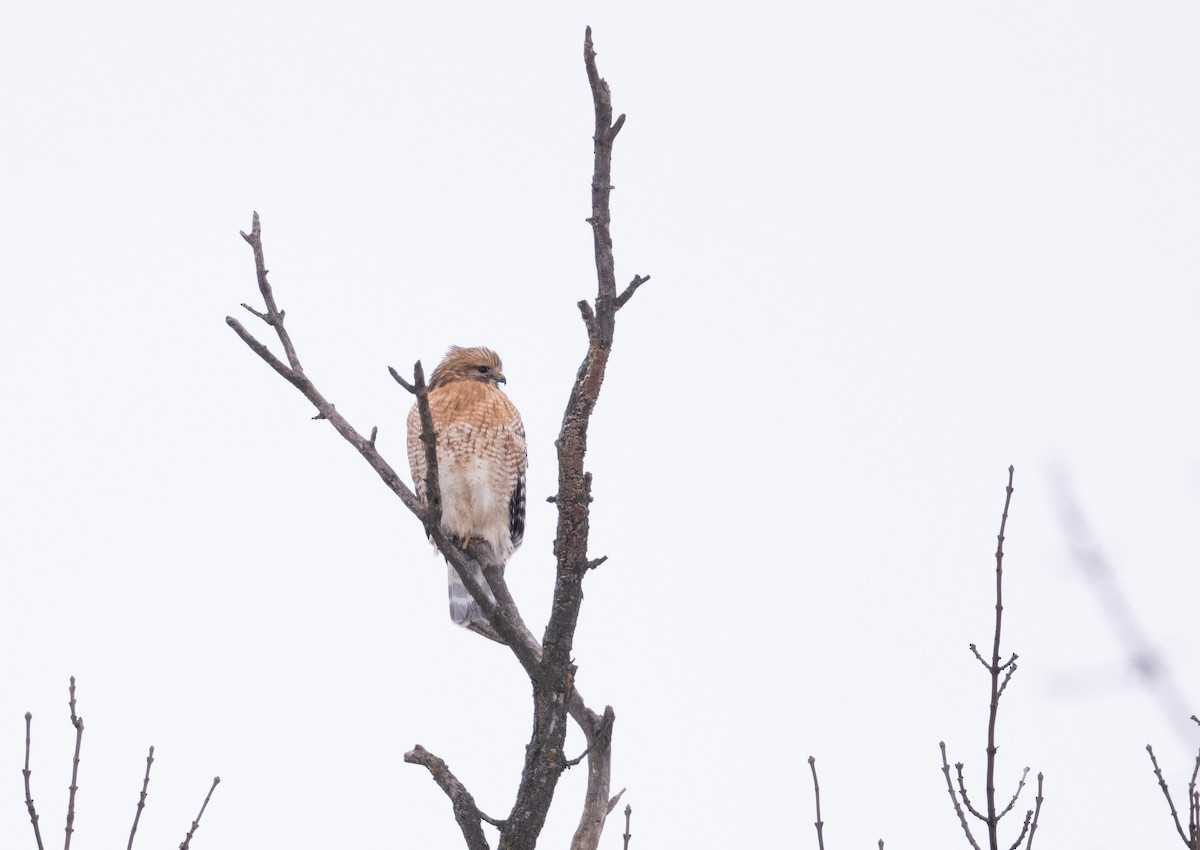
<point x="1190" y="837"/>
<point x="295" y="375"/>
<point x="1000" y="674"/>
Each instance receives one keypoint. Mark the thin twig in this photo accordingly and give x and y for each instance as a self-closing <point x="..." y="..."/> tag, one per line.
<point x="432" y="485"/>
<point x="975" y="650"/>
<point x="274" y="316"/>
<point x="958" y="810"/>
<point x="1194" y="802"/>
<point x="628" y="834"/>
<point x="1013" y="801"/>
<point x="141" y="799"/>
<point x="1009" y="669"/>
<point x="1194" y="807"/>
<point x="496" y="822"/>
<point x="1024" y="830"/>
<point x="196" y="823"/>
<point x="429" y="490"/>
<point x="400" y="380"/>
<point x="77" y="722"/>
<point x="962" y="792"/>
<point x="1162" y="783"/>
<point x="570" y="763"/>
<point x="1037" y="811"/>
<point x="820" y="824"/>
<point x="33" y="815"/>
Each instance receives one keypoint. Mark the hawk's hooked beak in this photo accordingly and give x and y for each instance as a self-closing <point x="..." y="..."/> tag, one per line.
<point x="500" y="379"/>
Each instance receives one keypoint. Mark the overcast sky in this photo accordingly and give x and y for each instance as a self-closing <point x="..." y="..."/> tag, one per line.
<point x="894" y="247"/>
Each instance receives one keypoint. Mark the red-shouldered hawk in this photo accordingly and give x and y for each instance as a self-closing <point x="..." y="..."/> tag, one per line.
<point x="481" y="464"/>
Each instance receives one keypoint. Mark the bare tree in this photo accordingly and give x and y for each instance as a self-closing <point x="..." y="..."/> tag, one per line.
<point x="1000" y="674"/>
<point x="548" y="662"/>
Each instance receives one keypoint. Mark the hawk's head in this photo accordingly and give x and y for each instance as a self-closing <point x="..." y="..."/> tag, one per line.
<point x="468" y="364"/>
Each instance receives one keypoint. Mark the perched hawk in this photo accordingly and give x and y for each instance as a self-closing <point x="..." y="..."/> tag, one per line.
<point x="481" y="464"/>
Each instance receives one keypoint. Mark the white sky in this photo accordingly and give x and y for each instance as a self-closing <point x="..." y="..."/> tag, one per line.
<point x="894" y="247"/>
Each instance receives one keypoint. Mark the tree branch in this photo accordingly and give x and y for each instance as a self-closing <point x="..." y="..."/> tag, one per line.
<point x="141" y="799"/>
<point x="596" y="801"/>
<point x="432" y="515"/>
<point x="274" y="316"/>
<point x="820" y="824"/>
<point x="962" y="792"/>
<point x="624" y="297"/>
<point x="466" y="813"/>
<point x="478" y="554"/>
<point x="1024" y="830"/>
<point x="77" y="722"/>
<point x="196" y="823"/>
<point x="514" y="631"/>
<point x="33" y="815"/>
<point x="1162" y="783"/>
<point x="573" y="498"/>
<point x="958" y="810"/>
<point x="1013" y="801"/>
<point x="1194" y="803"/>
<point x="1037" y="811"/>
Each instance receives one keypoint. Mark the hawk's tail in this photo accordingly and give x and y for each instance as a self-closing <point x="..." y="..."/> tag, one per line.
<point x="466" y="611"/>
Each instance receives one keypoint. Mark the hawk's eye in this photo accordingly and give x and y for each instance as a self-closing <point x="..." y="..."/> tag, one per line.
<point x="481" y="369"/>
